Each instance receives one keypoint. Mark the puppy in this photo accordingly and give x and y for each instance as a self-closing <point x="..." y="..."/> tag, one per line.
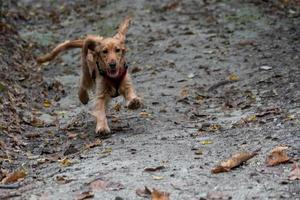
<point x="104" y="69"/>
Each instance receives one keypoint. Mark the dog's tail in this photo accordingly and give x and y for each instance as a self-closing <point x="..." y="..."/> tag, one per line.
<point x="69" y="44"/>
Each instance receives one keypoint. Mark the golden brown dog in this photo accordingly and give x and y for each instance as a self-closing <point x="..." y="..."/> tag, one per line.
<point x="103" y="68"/>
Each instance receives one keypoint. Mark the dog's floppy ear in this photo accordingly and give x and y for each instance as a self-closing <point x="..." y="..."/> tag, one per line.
<point x="90" y="43"/>
<point x="123" y="28"/>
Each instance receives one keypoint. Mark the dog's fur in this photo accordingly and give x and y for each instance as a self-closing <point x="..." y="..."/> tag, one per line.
<point x="103" y="68"/>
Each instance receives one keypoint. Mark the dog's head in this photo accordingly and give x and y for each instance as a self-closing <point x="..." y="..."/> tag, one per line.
<point x="109" y="53"/>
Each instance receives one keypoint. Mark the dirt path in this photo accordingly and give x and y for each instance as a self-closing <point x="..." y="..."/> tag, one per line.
<point x="216" y="79"/>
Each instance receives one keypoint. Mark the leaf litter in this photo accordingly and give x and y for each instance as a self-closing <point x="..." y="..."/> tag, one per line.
<point x="233" y="161"/>
<point x="154" y="194"/>
<point x="277" y="156"/>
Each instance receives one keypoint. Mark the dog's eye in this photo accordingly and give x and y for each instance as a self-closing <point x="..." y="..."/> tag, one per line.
<point x="105" y="51"/>
<point x="118" y="50"/>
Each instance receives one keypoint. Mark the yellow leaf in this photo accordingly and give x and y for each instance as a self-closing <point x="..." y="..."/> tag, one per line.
<point x="65" y="162"/>
<point x="290" y="117"/>
<point x="233" y="77"/>
<point x="106" y="151"/>
<point x="158" y="177"/>
<point x="205" y="142"/>
<point x="251" y="118"/>
<point x="47" y="103"/>
<point x="214" y="127"/>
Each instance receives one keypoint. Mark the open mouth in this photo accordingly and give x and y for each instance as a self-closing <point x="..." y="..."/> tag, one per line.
<point x="112" y="73"/>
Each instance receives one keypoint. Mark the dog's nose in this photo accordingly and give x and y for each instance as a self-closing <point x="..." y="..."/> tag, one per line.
<point x="113" y="65"/>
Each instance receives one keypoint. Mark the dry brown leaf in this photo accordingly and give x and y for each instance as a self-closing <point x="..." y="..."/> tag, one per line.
<point x="71" y="135"/>
<point x="85" y="195"/>
<point x="277" y="156"/>
<point x="98" y="142"/>
<point x="233" y="162"/>
<point x="184" y="92"/>
<point x="100" y="184"/>
<point x="154" y="194"/>
<point x="295" y="173"/>
<point x="159" y="195"/>
<point x="14" y="176"/>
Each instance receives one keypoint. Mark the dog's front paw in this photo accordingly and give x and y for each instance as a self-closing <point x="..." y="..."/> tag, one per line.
<point x="134" y="103"/>
<point x="103" y="131"/>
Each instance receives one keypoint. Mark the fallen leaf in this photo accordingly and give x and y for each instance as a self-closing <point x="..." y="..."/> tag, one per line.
<point x="157" y="178"/>
<point x="47" y="103"/>
<point x="71" y="135"/>
<point x="198" y="152"/>
<point x="97" y="142"/>
<point x="233" y="162"/>
<point x="233" y="77"/>
<point x="290" y="117"/>
<point x="184" y="92"/>
<point x="36" y="122"/>
<point x="295" y="173"/>
<point x="106" y="150"/>
<point x="144" y="192"/>
<point x="153" y="169"/>
<point x="205" y="142"/>
<point x="159" y="195"/>
<point x="214" y="127"/>
<point x="85" y="195"/>
<point x="277" y="156"/>
<point x="65" y="162"/>
<point x="14" y="176"/>
<point x="145" y="114"/>
<point x="62" y="179"/>
<point x="251" y="118"/>
<point x="100" y="184"/>
<point x="154" y="194"/>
